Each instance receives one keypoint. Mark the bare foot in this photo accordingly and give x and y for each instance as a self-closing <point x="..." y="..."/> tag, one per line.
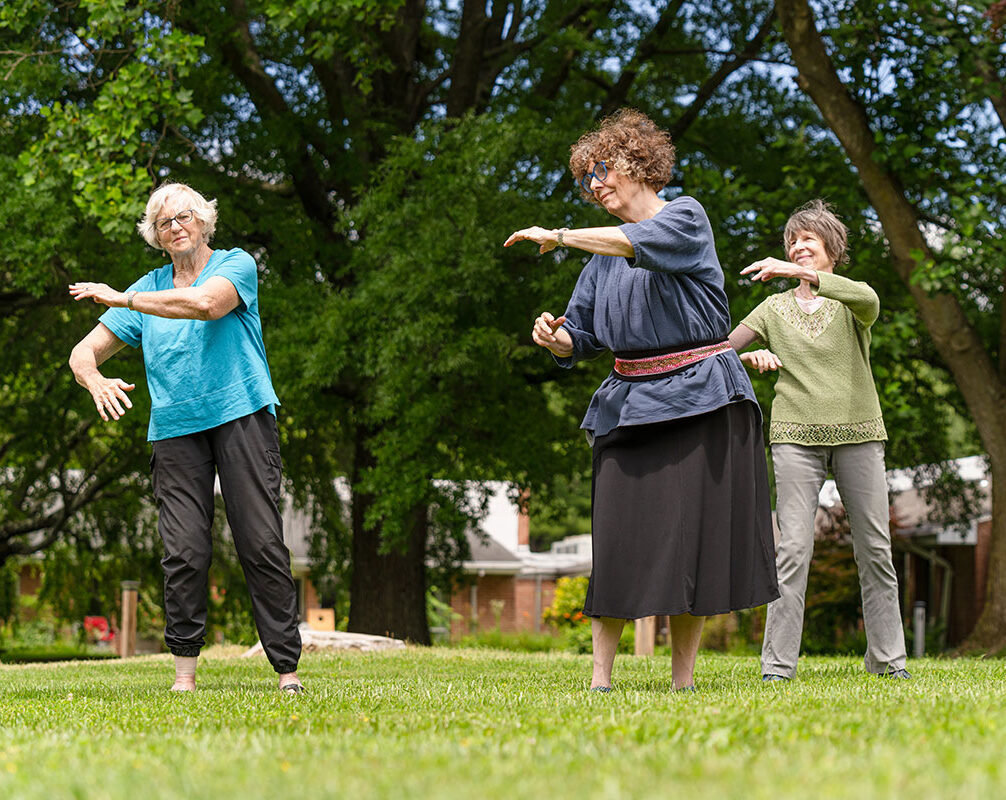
<point x="290" y="683"/>
<point x="184" y="683"/>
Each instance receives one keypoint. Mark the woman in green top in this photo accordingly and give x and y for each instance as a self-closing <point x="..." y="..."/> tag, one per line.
<point x="825" y="414"/>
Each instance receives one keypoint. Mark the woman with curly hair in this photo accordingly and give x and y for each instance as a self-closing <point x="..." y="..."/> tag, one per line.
<point x="680" y="506"/>
<point x="817" y="332"/>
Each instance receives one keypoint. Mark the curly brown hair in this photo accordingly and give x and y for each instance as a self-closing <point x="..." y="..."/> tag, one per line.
<point x="630" y="143"/>
<point x="817" y="217"/>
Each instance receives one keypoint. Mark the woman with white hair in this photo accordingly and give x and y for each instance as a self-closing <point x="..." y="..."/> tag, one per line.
<point x="213" y="412"/>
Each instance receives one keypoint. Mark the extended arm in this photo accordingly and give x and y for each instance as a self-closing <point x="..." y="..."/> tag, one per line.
<point x="214" y="299"/>
<point x="769" y="268"/>
<point x="742" y="337"/>
<point x="857" y="296"/>
<point x="860" y="299"/>
<point x="606" y="241"/>
<point x="109" y="394"/>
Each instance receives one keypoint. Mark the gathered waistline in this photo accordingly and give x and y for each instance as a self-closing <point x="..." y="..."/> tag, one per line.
<point x="662" y="363"/>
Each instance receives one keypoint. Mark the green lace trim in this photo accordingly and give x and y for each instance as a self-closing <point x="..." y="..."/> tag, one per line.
<point x="811" y="325"/>
<point x="872" y="430"/>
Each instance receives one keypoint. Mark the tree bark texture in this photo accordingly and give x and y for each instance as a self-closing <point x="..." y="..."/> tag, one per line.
<point x="387" y="590"/>
<point x="958" y="343"/>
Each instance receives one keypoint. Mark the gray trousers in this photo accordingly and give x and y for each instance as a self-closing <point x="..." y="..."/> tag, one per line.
<point x="245" y="454"/>
<point x="800" y="472"/>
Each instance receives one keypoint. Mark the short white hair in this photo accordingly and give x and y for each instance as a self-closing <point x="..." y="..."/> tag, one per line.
<point x="205" y="211"/>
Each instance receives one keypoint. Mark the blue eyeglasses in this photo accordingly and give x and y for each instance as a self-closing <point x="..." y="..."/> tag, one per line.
<point x="600" y="172"/>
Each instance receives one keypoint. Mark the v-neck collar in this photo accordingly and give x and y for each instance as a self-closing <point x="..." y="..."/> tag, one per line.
<point x="811" y="324"/>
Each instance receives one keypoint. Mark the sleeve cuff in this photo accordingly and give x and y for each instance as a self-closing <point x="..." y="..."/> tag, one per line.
<point x="628" y="229"/>
<point x="815" y="290"/>
<point x="119" y="331"/>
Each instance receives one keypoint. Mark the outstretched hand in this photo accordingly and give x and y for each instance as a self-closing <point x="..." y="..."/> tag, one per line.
<point x="545" y="239"/>
<point x="769" y="268"/>
<point x="99" y="293"/>
<point x="762" y="360"/>
<point x="549" y="333"/>
<point x="109" y="395"/>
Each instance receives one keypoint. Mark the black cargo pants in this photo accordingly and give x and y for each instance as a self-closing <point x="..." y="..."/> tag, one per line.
<point x="245" y="454"/>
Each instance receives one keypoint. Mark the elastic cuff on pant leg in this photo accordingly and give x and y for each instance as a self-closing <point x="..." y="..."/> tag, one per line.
<point x="283" y="669"/>
<point x="188" y="652"/>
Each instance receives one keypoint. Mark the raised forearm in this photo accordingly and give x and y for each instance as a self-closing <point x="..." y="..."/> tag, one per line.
<point x="860" y="298"/>
<point x="769" y="268"/>
<point x="191" y="302"/>
<point x="212" y="300"/>
<point x="606" y="241"/>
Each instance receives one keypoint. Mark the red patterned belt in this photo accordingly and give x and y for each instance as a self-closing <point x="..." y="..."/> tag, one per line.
<point x="653" y="366"/>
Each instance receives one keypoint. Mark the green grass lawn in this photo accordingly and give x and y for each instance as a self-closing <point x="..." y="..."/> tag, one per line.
<point x="488" y="724"/>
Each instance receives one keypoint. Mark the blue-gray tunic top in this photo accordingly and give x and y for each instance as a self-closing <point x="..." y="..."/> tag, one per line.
<point x="668" y="297"/>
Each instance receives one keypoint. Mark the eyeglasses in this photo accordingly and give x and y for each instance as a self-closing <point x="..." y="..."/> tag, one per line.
<point x="182" y="218"/>
<point x="600" y="172"/>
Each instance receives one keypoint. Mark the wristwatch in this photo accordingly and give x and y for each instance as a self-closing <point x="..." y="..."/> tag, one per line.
<point x="558" y="236"/>
<point x="129" y="300"/>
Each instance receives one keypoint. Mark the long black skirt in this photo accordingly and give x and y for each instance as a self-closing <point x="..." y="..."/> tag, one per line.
<point x="681" y="521"/>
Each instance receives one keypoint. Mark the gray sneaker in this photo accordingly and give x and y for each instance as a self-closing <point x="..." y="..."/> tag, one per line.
<point x="900" y="674"/>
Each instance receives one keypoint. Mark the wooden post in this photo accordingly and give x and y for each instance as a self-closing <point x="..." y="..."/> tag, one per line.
<point x="127" y="630"/>
<point x="646" y="634"/>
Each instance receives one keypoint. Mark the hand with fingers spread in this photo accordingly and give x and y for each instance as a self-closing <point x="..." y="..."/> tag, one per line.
<point x="762" y="360"/>
<point x="650" y="293"/>
<point x="110" y="396"/>
<point x="545" y="239"/>
<point x="99" y="293"/>
<point x="768" y="268"/>
<point x="826" y="416"/>
<point x="549" y="333"/>
<point x="212" y="403"/>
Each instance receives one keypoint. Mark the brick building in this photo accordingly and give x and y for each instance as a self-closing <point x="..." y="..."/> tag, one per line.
<point x="508" y="585"/>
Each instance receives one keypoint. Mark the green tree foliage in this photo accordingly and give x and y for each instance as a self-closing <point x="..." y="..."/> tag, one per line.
<point x="60" y="470"/>
<point x="914" y="93"/>
<point x="566" y="513"/>
<point x="373" y="156"/>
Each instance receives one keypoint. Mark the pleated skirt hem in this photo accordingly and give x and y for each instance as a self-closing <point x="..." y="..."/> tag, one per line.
<point x="681" y="519"/>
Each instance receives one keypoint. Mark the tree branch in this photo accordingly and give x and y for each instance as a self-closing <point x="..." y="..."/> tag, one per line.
<point x="644" y="52"/>
<point x="242" y="57"/>
<point x="955" y="338"/>
<point x="714" y="81"/>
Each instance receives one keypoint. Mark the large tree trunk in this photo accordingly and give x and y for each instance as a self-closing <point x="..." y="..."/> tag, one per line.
<point x="387" y="593"/>
<point x="957" y="341"/>
<point x="989" y="634"/>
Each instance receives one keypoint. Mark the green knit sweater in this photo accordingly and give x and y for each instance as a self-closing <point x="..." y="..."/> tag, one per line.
<point x="825" y="393"/>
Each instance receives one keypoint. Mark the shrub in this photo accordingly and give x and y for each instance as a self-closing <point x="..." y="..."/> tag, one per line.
<point x="567" y="604"/>
<point x="53" y="652"/>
